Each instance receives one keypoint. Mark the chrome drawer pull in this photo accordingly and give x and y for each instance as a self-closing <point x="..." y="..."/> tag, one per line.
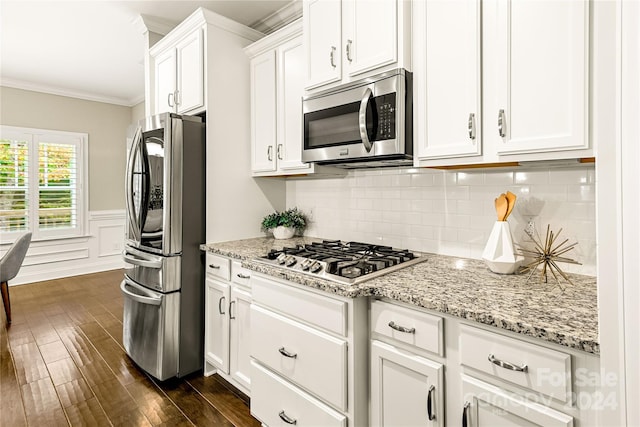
<point x="287" y="354"/>
<point x="465" y="414"/>
<point x="215" y="267"/>
<point x="287" y="419"/>
<point x="243" y="276"/>
<point x="507" y="365"/>
<point x="430" y="413"/>
<point x="399" y="328"/>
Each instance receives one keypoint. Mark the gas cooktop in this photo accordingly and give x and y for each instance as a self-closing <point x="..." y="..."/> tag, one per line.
<point x="343" y="262"/>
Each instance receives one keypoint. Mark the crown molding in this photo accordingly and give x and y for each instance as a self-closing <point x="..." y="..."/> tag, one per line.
<point x="53" y="90"/>
<point x="280" y="18"/>
<point x="144" y="23"/>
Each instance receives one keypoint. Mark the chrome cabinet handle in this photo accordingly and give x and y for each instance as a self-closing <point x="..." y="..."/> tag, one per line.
<point x="176" y="97"/>
<point x="270" y="153"/>
<point x="171" y="104"/>
<point x="507" y="365"/>
<point x="279" y="152"/>
<point x="288" y="354"/>
<point x="399" y="328"/>
<point x="465" y="414"/>
<point x="332" y="56"/>
<point x="215" y="267"/>
<point x="220" y="304"/>
<point x="243" y="276"/>
<point x="362" y="119"/>
<point x="231" y="316"/>
<point x="501" y="123"/>
<point x="472" y="126"/>
<point x="430" y="413"/>
<point x="349" y="43"/>
<point x="287" y="419"/>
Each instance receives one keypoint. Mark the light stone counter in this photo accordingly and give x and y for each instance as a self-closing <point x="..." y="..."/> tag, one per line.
<point x="460" y="287"/>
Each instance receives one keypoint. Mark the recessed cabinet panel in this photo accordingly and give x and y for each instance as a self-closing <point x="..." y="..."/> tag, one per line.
<point x="190" y="65"/>
<point x="263" y="112"/>
<point x="165" y="82"/>
<point x="406" y="390"/>
<point x="322" y="22"/>
<point x="447" y="80"/>
<point x="217" y="324"/>
<point x="240" y="336"/>
<point x="541" y="82"/>
<point x="370" y="37"/>
<point x="290" y="90"/>
<point x="490" y="406"/>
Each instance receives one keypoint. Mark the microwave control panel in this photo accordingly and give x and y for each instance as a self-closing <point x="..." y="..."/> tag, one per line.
<point x="385" y="106"/>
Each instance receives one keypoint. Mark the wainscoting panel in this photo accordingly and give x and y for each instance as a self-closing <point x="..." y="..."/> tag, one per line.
<point x="100" y="250"/>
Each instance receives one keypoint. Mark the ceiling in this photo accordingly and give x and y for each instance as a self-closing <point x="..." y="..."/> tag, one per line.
<point x="94" y="49"/>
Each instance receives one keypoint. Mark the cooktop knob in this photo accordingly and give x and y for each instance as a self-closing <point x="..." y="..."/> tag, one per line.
<point x="290" y="261"/>
<point x="281" y="258"/>
<point x="315" y="267"/>
<point x="306" y="264"/>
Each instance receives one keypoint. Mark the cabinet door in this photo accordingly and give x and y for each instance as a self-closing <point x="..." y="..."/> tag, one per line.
<point x="289" y="112"/>
<point x="323" y="35"/>
<point x="487" y="405"/>
<point x="216" y="346"/>
<point x="263" y="112"/>
<point x="165" y="81"/>
<point x="537" y="75"/>
<point x="406" y="390"/>
<point x="370" y="34"/>
<point x="447" y="78"/>
<point x="190" y="68"/>
<point x="240" y="338"/>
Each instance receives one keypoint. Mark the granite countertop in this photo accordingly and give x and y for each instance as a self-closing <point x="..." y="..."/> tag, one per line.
<point x="461" y="287"/>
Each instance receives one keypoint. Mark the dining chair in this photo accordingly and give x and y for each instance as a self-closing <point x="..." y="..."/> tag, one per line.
<point x="10" y="265"/>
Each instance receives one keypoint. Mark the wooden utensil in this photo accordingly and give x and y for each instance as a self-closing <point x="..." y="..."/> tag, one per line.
<point x="502" y="205"/>
<point x="511" y="198"/>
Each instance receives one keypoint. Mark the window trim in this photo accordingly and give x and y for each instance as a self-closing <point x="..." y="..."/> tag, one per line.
<point x="34" y="136"/>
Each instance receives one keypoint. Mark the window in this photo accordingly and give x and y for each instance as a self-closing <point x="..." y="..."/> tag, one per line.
<point x="42" y="183"/>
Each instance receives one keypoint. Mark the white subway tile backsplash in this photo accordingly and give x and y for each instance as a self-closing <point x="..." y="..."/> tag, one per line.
<point x="450" y="212"/>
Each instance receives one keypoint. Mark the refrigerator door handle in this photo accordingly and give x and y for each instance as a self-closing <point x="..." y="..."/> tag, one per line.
<point x="151" y="298"/>
<point x="135" y="227"/>
<point x="132" y="259"/>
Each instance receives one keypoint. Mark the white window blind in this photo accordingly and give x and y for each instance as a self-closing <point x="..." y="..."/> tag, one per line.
<point x="41" y="183"/>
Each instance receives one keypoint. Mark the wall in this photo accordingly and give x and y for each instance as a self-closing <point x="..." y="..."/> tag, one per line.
<point x="450" y="212"/>
<point x="106" y="125"/>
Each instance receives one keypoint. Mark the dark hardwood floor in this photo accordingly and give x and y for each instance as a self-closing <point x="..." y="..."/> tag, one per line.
<point x="62" y="363"/>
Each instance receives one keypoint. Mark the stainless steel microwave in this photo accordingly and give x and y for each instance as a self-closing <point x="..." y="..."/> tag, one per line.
<point x="362" y="124"/>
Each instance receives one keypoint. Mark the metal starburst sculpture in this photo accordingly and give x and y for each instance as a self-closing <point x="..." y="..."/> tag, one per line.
<point x="548" y="254"/>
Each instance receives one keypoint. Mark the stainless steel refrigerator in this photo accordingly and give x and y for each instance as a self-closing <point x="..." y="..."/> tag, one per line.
<point x="163" y="286"/>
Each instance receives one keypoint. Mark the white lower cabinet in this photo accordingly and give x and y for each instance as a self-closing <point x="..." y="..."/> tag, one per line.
<point x="406" y="389"/>
<point x="491" y="406"/>
<point x="309" y="356"/>
<point x="227" y="322"/>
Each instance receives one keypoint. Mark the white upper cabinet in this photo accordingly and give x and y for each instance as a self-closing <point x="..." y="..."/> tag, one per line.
<point x="347" y="40"/>
<point x="500" y="80"/>
<point x="179" y="75"/>
<point x="323" y="38"/>
<point x="447" y="106"/>
<point x="277" y="86"/>
<point x="537" y="75"/>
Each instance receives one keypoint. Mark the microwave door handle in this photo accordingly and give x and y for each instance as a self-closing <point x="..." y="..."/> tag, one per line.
<point x="362" y="116"/>
<point x="137" y="138"/>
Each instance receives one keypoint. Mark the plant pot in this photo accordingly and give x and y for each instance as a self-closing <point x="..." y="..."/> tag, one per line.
<point x="282" y="232"/>
<point x="499" y="254"/>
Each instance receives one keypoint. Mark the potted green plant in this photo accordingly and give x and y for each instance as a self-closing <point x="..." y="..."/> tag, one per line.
<point x="284" y="224"/>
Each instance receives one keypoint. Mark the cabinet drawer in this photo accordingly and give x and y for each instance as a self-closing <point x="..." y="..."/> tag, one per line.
<point x="218" y="266"/>
<point x="409" y="326"/>
<point x="239" y="274"/>
<point x="318" y="310"/>
<point x="534" y="367"/>
<point x="312" y="359"/>
<point x="274" y="400"/>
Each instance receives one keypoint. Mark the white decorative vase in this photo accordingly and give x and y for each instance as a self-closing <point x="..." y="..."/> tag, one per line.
<point x="499" y="254"/>
<point x="282" y="232"/>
